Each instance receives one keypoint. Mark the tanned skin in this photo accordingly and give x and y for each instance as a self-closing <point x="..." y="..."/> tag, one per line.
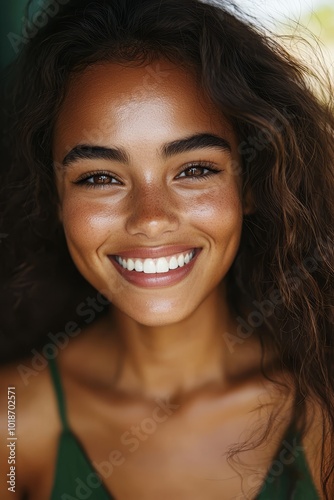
<point x="161" y="352"/>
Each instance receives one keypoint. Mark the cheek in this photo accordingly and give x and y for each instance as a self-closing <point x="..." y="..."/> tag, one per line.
<point x="87" y="223"/>
<point x="219" y="213"/>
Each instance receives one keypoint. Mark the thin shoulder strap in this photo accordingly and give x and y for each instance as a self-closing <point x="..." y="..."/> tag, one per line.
<point x="59" y="393"/>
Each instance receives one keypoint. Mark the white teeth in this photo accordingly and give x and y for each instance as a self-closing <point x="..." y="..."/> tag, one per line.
<point x="139" y="266"/>
<point x="173" y="263"/>
<point x="149" y="266"/>
<point x="154" y="266"/>
<point x="162" y="265"/>
<point x="180" y="260"/>
<point x="130" y="265"/>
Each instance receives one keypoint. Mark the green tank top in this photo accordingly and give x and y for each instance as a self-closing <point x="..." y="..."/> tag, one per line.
<point x="75" y="478"/>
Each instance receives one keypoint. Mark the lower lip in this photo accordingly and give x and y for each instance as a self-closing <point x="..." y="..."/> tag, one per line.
<point x="142" y="279"/>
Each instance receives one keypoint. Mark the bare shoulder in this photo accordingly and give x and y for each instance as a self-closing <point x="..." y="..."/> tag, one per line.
<point x="315" y="443"/>
<point x="33" y="400"/>
<point x="28" y="421"/>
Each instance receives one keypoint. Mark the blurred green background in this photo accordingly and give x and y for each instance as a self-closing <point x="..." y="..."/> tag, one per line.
<point x="11" y="14"/>
<point x="316" y="15"/>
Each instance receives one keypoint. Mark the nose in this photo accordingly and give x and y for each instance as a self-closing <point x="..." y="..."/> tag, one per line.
<point x="152" y="213"/>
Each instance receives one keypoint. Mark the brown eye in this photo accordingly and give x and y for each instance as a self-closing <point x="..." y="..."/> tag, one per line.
<point x="100" y="179"/>
<point x="199" y="172"/>
<point x="97" y="179"/>
<point x="194" y="171"/>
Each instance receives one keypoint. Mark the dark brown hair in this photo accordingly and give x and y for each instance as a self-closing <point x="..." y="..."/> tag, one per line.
<point x="285" y="134"/>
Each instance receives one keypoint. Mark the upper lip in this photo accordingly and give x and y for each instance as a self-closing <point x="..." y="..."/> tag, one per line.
<point x="154" y="252"/>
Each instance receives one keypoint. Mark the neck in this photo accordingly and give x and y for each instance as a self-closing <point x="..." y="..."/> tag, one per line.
<point x="170" y="360"/>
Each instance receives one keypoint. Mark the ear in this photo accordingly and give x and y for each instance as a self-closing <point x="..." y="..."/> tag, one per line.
<point x="248" y="201"/>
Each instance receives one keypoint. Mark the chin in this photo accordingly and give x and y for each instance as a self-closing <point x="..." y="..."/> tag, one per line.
<point x="157" y="314"/>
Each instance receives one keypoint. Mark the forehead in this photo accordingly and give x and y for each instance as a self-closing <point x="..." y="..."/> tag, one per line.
<point x="118" y="102"/>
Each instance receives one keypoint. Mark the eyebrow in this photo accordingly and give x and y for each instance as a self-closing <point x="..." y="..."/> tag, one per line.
<point x="90" y="152"/>
<point x="197" y="141"/>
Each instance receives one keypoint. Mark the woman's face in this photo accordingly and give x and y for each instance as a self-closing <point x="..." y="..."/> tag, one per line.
<point x="145" y="170"/>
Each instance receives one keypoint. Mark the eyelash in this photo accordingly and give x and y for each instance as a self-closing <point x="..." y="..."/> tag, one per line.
<point x="83" y="181"/>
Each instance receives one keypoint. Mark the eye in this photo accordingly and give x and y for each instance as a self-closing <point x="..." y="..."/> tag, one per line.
<point x="97" y="179"/>
<point x="199" y="171"/>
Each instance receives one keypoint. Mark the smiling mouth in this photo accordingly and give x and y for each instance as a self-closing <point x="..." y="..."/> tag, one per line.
<point x="156" y="266"/>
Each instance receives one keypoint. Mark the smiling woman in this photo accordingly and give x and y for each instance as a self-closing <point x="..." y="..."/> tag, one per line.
<point x="171" y="160"/>
<point x="163" y="205"/>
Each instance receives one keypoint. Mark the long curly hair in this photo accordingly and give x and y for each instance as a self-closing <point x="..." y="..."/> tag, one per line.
<point x="282" y="276"/>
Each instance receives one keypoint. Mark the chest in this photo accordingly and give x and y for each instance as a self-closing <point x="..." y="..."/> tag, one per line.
<point x="166" y="452"/>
